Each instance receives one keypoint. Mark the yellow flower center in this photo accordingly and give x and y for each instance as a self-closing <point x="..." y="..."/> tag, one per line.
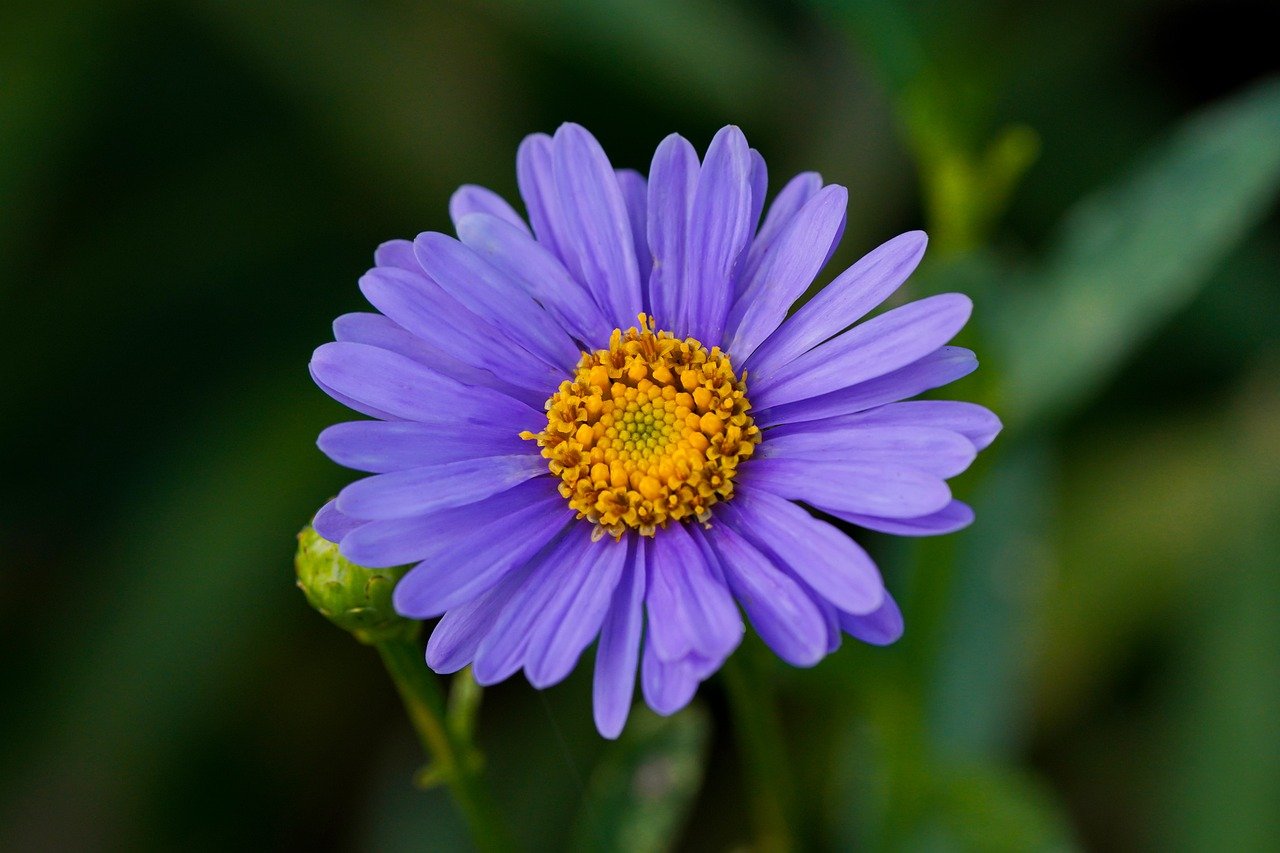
<point x="648" y="431"/>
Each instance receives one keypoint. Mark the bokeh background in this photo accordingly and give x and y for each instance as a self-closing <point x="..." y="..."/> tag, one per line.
<point x="189" y="190"/>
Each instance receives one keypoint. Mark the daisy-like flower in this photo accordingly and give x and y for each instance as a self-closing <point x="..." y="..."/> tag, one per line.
<point x="602" y="423"/>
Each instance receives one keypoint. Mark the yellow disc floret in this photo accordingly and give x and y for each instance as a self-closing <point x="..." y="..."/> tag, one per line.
<point x="648" y="431"/>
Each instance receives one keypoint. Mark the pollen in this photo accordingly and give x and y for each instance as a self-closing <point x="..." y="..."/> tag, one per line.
<point x="648" y="431"/>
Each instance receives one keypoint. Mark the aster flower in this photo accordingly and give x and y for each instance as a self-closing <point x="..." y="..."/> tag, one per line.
<point x="603" y="424"/>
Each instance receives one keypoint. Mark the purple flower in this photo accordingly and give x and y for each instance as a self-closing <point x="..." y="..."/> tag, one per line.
<point x="605" y="425"/>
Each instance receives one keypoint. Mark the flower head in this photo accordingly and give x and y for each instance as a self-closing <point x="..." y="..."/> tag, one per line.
<point x="605" y="425"/>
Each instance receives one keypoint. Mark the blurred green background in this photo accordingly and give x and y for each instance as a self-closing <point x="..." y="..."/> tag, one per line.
<point x="190" y="190"/>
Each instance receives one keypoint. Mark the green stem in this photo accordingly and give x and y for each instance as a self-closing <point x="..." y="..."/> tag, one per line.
<point x="452" y="757"/>
<point x="759" y="735"/>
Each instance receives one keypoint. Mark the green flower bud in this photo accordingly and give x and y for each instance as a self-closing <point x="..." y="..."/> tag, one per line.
<point x="352" y="597"/>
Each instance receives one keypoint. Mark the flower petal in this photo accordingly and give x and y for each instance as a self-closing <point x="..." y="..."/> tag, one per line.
<point x="502" y="650"/>
<point x="889" y="491"/>
<point x="790" y="199"/>
<point x="470" y="548"/>
<point x="397" y="253"/>
<point x="619" y="649"/>
<point x="954" y="516"/>
<point x="690" y="610"/>
<point x="469" y="199"/>
<point x="880" y="628"/>
<point x="382" y="446"/>
<point x="362" y="327"/>
<point x="939" y="452"/>
<point x="397" y="541"/>
<point x="759" y="186"/>
<point x="668" y="685"/>
<point x="938" y="368"/>
<point x="407" y="389"/>
<point x="820" y="555"/>
<point x="350" y="402"/>
<point x="974" y="422"/>
<point x="495" y="297"/>
<point x="417" y="491"/>
<point x="572" y="618"/>
<point x="841" y="303"/>
<point x="784" y="617"/>
<point x="635" y="192"/>
<point x="720" y="226"/>
<point x="598" y="227"/>
<point x="879" y="346"/>
<point x="458" y="634"/>
<point x="535" y="175"/>
<point x="419" y="304"/>
<point x="785" y="271"/>
<point x="541" y="273"/>
<point x="333" y="524"/>
<point x="673" y="177"/>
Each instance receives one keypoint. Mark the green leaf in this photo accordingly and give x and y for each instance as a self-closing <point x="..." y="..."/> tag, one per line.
<point x="642" y="788"/>
<point x="995" y="809"/>
<point x="908" y="799"/>
<point x="1223" y="766"/>
<point x="1130" y="256"/>
<point x="978" y="690"/>
<point x="1146" y="512"/>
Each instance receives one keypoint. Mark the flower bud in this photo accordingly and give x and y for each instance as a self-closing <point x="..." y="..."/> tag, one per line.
<point x="352" y="597"/>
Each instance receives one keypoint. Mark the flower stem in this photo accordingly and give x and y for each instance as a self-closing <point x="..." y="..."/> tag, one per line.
<point x="759" y="734"/>
<point x="454" y="760"/>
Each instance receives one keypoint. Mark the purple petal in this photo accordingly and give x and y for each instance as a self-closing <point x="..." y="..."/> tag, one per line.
<point x="668" y="685"/>
<point x="952" y="517"/>
<point x="719" y="228"/>
<point x="759" y="186"/>
<point x="790" y="199"/>
<point x="889" y="491"/>
<point x="407" y="389"/>
<point x="419" y="304"/>
<point x="939" y="452"/>
<point x="572" y="618"/>
<point x="541" y="274"/>
<point x="599" y="229"/>
<point x="350" y="402"/>
<point x="395" y="542"/>
<point x="879" y="628"/>
<point x="396" y="253"/>
<point x="830" y="617"/>
<point x="941" y="367"/>
<point x="619" y="649"/>
<point x="817" y="553"/>
<point x="333" y="524"/>
<point x="469" y="199"/>
<point x="536" y="178"/>
<point x="784" y="617"/>
<point x="383" y="332"/>
<point x="841" y="303"/>
<point x="495" y="297"/>
<point x="417" y="491"/>
<point x="439" y="583"/>
<point x="382" y="446"/>
<point x="974" y="422"/>
<point x="502" y="650"/>
<point x="635" y="192"/>
<point x="879" y="346"/>
<point x="785" y="271"/>
<point x="673" y="177"/>
<point x="690" y="610"/>
<point x="459" y="632"/>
